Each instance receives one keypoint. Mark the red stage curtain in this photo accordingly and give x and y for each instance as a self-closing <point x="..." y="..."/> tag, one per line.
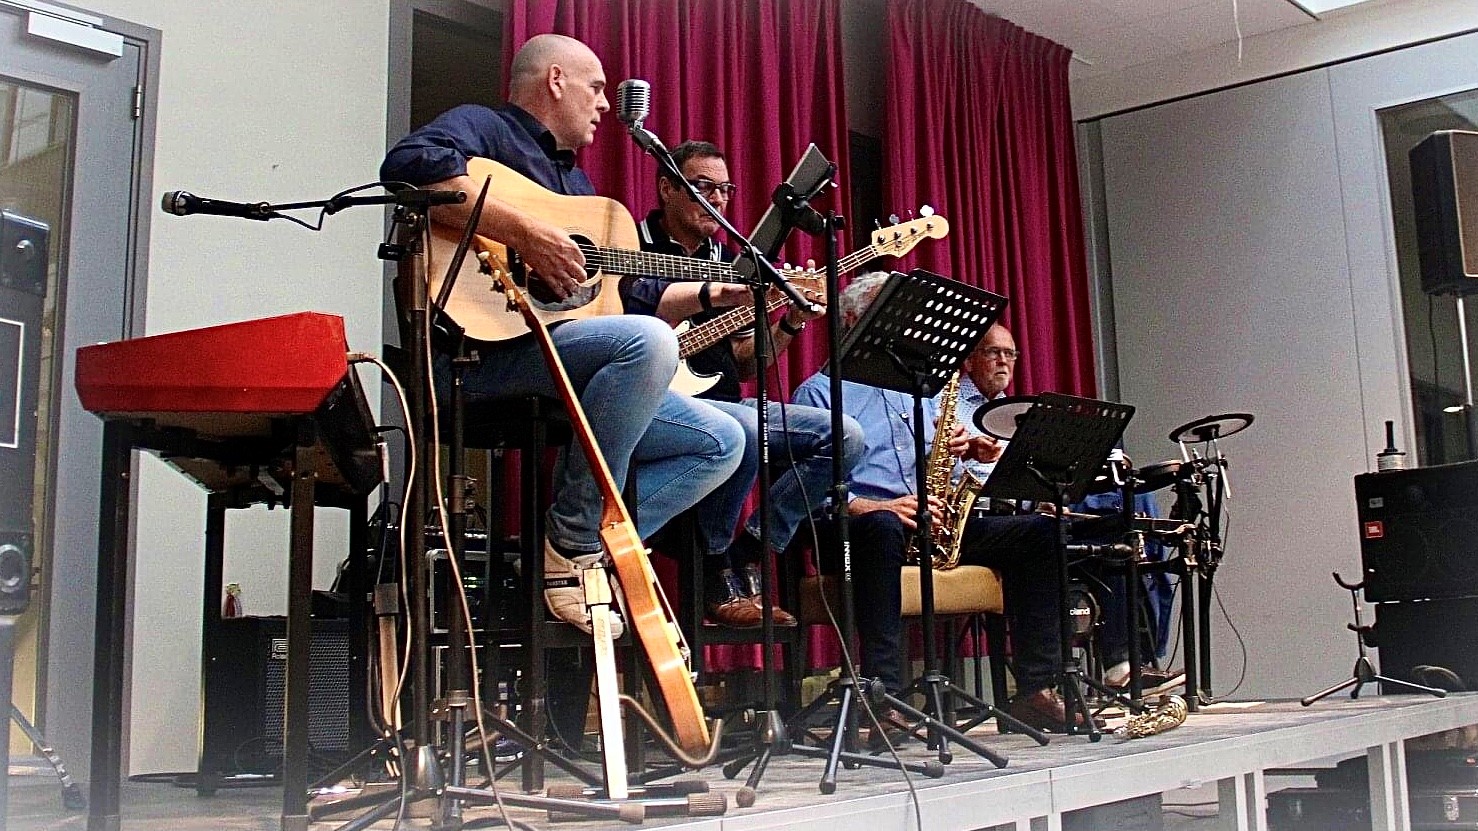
<point x="979" y="125"/>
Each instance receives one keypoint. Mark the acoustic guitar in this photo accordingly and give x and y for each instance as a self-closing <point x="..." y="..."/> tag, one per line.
<point x="895" y="241"/>
<point x="601" y="227"/>
<point x="647" y="609"/>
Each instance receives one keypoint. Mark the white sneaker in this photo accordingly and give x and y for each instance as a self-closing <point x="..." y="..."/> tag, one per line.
<point x="564" y="595"/>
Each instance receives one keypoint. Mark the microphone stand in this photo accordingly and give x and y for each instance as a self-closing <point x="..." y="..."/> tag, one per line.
<point x="771" y="735"/>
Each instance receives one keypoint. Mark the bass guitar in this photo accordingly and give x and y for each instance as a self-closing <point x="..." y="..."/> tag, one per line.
<point x="647" y="609"/>
<point x="894" y="241"/>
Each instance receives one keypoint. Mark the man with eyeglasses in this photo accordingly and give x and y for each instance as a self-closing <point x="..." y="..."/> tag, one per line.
<point x="800" y="441"/>
<point x="986" y="374"/>
<point x="984" y="378"/>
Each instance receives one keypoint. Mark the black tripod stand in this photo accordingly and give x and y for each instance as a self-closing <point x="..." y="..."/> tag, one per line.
<point x="1059" y="445"/>
<point x="1365" y="672"/>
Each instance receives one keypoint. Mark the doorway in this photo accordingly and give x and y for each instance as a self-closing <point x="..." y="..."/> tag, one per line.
<point x="75" y="138"/>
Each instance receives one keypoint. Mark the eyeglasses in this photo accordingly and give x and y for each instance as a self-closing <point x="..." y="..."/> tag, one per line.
<point x="708" y="187"/>
<point x="997" y="353"/>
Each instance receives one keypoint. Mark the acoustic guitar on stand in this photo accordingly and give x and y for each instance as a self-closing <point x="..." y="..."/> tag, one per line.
<point x="647" y="609"/>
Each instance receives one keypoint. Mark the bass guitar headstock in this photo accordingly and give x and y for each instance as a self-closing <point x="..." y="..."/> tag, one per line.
<point x="897" y="240"/>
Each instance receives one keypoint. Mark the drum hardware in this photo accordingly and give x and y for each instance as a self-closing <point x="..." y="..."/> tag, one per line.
<point x="1201" y="486"/>
<point x="998" y="418"/>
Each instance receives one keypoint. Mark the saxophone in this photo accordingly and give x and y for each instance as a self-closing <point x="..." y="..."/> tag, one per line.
<point x="1170" y="714"/>
<point x="958" y="497"/>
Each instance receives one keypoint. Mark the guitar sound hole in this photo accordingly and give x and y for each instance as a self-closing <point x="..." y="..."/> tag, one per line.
<point x="542" y="298"/>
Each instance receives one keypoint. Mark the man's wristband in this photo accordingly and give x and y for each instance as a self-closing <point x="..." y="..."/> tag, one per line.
<point x="791" y="330"/>
<point x="705" y="301"/>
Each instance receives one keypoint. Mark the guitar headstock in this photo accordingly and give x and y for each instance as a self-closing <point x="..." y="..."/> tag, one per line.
<point x="494" y="266"/>
<point x="810" y="282"/>
<point x="900" y="239"/>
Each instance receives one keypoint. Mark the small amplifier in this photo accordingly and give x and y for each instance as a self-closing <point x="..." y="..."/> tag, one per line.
<point x="245" y="687"/>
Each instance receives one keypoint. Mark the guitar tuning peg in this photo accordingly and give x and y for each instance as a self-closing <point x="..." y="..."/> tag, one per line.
<point x="926" y="211"/>
<point x="893" y="219"/>
<point x="876" y="225"/>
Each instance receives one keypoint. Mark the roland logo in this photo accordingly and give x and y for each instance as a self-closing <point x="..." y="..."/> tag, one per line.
<point x="278" y="651"/>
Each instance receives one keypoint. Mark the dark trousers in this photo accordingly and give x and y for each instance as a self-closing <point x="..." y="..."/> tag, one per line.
<point x="1020" y="547"/>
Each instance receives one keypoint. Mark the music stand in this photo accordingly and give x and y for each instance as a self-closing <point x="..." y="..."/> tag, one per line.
<point x="912" y="339"/>
<point x="1058" y="448"/>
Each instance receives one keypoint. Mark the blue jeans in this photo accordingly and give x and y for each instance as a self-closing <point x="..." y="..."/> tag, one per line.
<point x="801" y="448"/>
<point x="620" y="366"/>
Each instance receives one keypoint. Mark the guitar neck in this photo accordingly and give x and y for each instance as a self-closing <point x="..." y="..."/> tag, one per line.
<point x="659" y="266"/>
<point x="701" y="337"/>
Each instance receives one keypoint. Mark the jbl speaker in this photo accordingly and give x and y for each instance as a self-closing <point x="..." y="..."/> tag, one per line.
<point x="1435" y="633"/>
<point x="1444" y="192"/>
<point x="1419" y="532"/>
<point x="245" y="687"/>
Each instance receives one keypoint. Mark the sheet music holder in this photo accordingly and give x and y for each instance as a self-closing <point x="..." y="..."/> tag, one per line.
<point x="809" y="176"/>
<point x="920" y="327"/>
<point x="1062" y="437"/>
<point x="1058" y="448"/>
<point x="913" y="338"/>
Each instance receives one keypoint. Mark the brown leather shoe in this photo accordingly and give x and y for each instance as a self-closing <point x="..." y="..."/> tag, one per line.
<point x="737" y="613"/>
<point x="1044" y="710"/>
<point x="729" y="606"/>
<point x="749" y="581"/>
<point x="892" y="732"/>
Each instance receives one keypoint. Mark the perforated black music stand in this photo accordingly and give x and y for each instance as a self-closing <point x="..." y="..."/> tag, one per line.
<point x="1058" y="448"/>
<point x="913" y="338"/>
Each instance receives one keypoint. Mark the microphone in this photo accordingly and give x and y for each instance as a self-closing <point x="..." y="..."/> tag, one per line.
<point x="633" y="102"/>
<point x="184" y="203"/>
<point x="633" y="105"/>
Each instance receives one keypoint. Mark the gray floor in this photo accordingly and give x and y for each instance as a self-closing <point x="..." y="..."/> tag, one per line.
<point x="788" y="791"/>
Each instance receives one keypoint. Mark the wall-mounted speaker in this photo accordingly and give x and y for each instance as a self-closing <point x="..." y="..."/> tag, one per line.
<point x="1444" y="192"/>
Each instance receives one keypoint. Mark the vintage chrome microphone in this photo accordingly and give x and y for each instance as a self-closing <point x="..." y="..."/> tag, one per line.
<point x="633" y="105"/>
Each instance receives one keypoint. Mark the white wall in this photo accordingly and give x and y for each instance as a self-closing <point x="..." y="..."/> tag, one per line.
<point x="1253" y="268"/>
<point x="269" y="100"/>
<point x="1361" y="30"/>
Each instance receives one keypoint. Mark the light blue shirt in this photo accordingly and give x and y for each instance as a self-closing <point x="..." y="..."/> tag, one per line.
<point x="886" y="469"/>
<point x="970" y="400"/>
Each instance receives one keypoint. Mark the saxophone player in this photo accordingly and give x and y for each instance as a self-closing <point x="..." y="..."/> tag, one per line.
<point x="881" y="511"/>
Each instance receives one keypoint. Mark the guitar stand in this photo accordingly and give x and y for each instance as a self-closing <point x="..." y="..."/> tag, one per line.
<point x="1365" y="672"/>
<point x="1059" y="446"/>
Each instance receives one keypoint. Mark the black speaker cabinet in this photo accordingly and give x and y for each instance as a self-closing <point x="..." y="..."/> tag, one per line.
<point x="244" y="695"/>
<point x="1444" y="192"/>
<point x="1439" y="633"/>
<point x="1419" y="532"/>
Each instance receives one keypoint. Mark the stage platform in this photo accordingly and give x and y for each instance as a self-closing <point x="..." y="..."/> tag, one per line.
<point x="1228" y="749"/>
